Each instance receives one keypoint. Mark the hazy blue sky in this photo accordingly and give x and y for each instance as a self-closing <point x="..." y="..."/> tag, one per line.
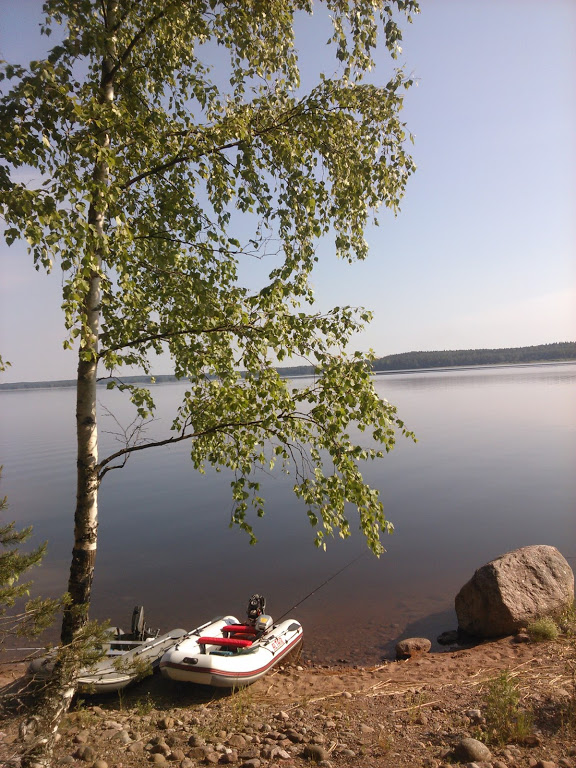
<point x="483" y="253"/>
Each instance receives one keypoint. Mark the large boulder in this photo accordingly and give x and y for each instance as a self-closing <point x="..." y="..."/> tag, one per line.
<point x="514" y="590"/>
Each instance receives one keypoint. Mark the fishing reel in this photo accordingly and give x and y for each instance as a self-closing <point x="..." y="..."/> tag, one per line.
<point x="256" y="607"/>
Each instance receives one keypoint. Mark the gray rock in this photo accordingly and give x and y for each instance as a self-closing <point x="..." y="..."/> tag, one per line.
<point x="412" y="646"/>
<point x="471" y="750"/>
<point x="514" y="590"/>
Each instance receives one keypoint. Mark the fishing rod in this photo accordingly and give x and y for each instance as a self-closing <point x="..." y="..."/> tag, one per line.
<point x="355" y="560"/>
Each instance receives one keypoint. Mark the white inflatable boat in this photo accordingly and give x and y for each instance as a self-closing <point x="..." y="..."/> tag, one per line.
<point x="128" y="657"/>
<point x="227" y="654"/>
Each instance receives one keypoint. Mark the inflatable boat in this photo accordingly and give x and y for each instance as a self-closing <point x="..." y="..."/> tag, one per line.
<point x="229" y="654"/>
<point x="128" y="657"/>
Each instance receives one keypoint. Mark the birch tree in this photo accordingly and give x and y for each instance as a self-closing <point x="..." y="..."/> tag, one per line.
<point x="158" y="180"/>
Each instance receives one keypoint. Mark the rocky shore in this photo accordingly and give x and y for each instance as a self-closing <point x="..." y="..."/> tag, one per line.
<point x="428" y="711"/>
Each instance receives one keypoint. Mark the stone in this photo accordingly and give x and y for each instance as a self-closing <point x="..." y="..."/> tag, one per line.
<point x="514" y="590"/>
<point x="158" y="759"/>
<point x="161" y="749"/>
<point x="448" y="638"/>
<point x="475" y="716"/>
<point x="254" y="762"/>
<point x="99" y="764"/>
<point x="412" y="646"/>
<point x="471" y="750"/>
<point x="165" y="723"/>
<point x="314" y="752"/>
<point x="237" y="741"/>
<point x="86" y="752"/>
<point x="545" y="764"/>
<point x="136" y="748"/>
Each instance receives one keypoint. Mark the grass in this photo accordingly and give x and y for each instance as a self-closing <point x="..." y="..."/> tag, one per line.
<point x="506" y="721"/>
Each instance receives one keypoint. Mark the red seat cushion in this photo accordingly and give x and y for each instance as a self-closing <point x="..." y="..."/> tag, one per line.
<point x="227" y="642"/>
<point x="244" y="629"/>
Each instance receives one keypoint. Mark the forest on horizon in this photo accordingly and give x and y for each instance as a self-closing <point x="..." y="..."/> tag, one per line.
<point x="405" y="361"/>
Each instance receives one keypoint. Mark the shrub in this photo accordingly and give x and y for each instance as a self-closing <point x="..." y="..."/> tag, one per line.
<point x="542" y="630"/>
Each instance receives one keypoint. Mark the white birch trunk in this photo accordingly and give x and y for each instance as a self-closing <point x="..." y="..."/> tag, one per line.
<point x="86" y="514"/>
<point x="39" y="732"/>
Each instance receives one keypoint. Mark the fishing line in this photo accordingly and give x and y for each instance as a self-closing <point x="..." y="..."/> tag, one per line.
<point x="323" y="584"/>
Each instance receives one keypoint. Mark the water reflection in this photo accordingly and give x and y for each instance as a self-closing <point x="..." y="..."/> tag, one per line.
<point x="493" y="470"/>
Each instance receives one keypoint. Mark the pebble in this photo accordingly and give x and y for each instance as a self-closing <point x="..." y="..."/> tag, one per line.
<point x="158" y="759"/>
<point x="100" y="764"/>
<point x="237" y="741"/>
<point x="471" y="750"/>
<point x="314" y="752"/>
<point x="85" y="752"/>
<point x="135" y="748"/>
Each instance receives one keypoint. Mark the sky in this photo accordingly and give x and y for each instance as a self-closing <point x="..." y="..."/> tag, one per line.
<point x="483" y="251"/>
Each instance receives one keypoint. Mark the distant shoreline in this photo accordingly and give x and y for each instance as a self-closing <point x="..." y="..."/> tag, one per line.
<point x="168" y="379"/>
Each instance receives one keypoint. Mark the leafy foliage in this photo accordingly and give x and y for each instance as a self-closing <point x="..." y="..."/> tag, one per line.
<point x="159" y="184"/>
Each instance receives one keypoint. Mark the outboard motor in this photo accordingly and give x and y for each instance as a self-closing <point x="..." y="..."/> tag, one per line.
<point x="263" y="624"/>
<point x="138" y="626"/>
<point x="256" y="607"/>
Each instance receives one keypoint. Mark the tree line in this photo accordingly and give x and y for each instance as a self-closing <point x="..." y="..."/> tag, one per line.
<point x="451" y="358"/>
<point x="558" y="351"/>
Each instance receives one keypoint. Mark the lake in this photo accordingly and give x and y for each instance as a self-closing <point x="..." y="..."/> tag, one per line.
<point x="494" y="469"/>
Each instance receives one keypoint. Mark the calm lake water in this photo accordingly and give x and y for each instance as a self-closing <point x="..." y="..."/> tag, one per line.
<point x="494" y="469"/>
